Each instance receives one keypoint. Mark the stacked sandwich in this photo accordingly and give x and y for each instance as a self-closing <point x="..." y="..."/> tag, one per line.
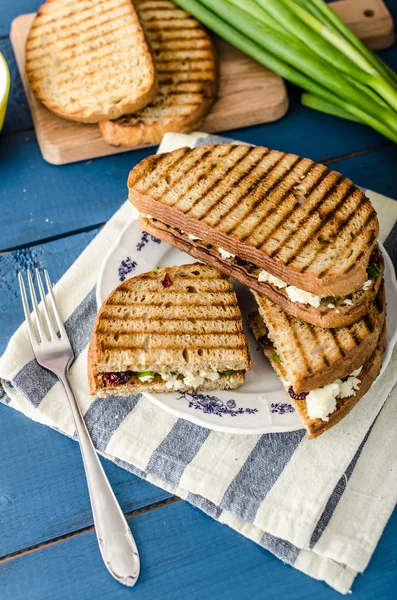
<point x="303" y="238"/>
<point x="139" y="68"/>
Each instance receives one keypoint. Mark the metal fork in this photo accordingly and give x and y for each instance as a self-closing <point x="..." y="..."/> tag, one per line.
<point x="53" y="351"/>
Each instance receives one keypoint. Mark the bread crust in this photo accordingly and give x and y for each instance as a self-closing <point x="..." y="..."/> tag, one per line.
<point x="59" y="99"/>
<point x="116" y="134"/>
<point x="163" y="185"/>
<point x="329" y="319"/>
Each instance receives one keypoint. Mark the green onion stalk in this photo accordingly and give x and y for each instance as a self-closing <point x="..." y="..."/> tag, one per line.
<point x="252" y="33"/>
<point x="328" y="17"/>
<point x="312" y="101"/>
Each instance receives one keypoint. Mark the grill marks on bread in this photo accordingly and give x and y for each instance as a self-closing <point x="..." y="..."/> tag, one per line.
<point x="89" y="61"/>
<point x="313" y="356"/>
<point x="193" y="324"/>
<point x="369" y="372"/>
<point x="298" y="213"/>
<point x="187" y="80"/>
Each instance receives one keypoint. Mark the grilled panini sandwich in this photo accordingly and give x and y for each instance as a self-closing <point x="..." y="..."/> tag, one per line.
<point x="177" y="328"/>
<point x="324" y="371"/>
<point x="186" y="68"/>
<point x="89" y="61"/>
<point x="291" y="229"/>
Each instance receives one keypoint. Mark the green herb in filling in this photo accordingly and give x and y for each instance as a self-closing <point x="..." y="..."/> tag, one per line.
<point x="277" y="357"/>
<point x="373" y="270"/>
<point x="145" y="374"/>
<point x="230" y="372"/>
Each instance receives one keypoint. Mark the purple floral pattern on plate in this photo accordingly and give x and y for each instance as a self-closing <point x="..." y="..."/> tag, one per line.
<point x="281" y="408"/>
<point x="126" y="267"/>
<point x="145" y="239"/>
<point x="215" y="406"/>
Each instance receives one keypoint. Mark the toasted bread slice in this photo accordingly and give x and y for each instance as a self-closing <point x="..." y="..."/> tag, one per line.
<point x="183" y="320"/>
<point x="368" y="374"/>
<point x="89" y="61"/>
<point x="296" y="219"/>
<point x="332" y="311"/>
<point x="185" y="60"/>
<point x="314" y="356"/>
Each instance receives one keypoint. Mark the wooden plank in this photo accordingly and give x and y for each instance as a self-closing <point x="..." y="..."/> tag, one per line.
<point x="248" y="94"/>
<point x="39" y="201"/>
<point x="184" y="555"/>
<point x="43" y="493"/>
<point x="370" y="20"/>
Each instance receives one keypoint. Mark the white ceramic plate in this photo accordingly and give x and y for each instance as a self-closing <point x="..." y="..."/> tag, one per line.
<point x="259" y="406"/>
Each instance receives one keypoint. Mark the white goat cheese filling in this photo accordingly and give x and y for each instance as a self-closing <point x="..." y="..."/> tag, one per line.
<point x="367" y="285"/>
<point x="225" y="254"/>
<point x="293" y="293"/>
<point x="193" y="237"/>
<point x="322" y="401"/>
<point x="146" y="378"/>
<point x="193" y="380"/>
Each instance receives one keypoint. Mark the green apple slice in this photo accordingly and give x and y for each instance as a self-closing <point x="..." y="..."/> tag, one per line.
<point x="4" y="88"/>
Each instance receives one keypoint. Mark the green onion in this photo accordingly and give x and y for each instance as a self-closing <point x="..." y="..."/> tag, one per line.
<point x="145" y="374"/>
<point x="325" y="106"/>
<point x="329" y="17"/>
<point x="306" y="70"/>
<point x="373" y="270"/>
<point x="277" y="357"/>
<point x="230" y="372"/>
<point x="314" y="34"/>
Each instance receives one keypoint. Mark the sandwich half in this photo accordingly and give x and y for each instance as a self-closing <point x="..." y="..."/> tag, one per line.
<point x="172" y="329"/>
<point x="291" y="229"/>
<point x="185" y="60"/>
<point x="324" y="371"/>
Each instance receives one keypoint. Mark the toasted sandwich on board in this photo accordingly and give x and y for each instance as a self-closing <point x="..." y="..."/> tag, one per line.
<point x="187" y="77"/>
<point x="324" y="371"/>
<point x="294" y="231"/>
<point x="89" y="61"/>
<point x="172" y="329"/>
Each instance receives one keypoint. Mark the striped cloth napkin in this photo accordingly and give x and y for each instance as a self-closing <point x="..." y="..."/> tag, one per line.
<point x="318" y="505"/>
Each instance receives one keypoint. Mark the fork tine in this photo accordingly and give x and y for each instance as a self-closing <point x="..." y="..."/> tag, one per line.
<point x="26" y="310"/>
<point x="45" y="307"/>
<point x="54" y="306"/>
<point x="39" y="322"/>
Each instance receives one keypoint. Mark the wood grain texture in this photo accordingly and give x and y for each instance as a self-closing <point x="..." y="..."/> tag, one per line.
<point x="370" y="20"/>
<point x="248" y="94"/>
<point x="184" y="554"/>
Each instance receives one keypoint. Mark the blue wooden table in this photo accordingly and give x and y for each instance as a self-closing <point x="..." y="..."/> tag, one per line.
<point x="48" y="548"/>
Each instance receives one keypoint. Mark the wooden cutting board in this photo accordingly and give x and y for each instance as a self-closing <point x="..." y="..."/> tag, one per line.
<point x="249" y="94"/>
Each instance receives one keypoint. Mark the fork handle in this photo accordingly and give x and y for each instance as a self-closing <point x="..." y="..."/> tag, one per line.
<point x="116" y="543"/>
